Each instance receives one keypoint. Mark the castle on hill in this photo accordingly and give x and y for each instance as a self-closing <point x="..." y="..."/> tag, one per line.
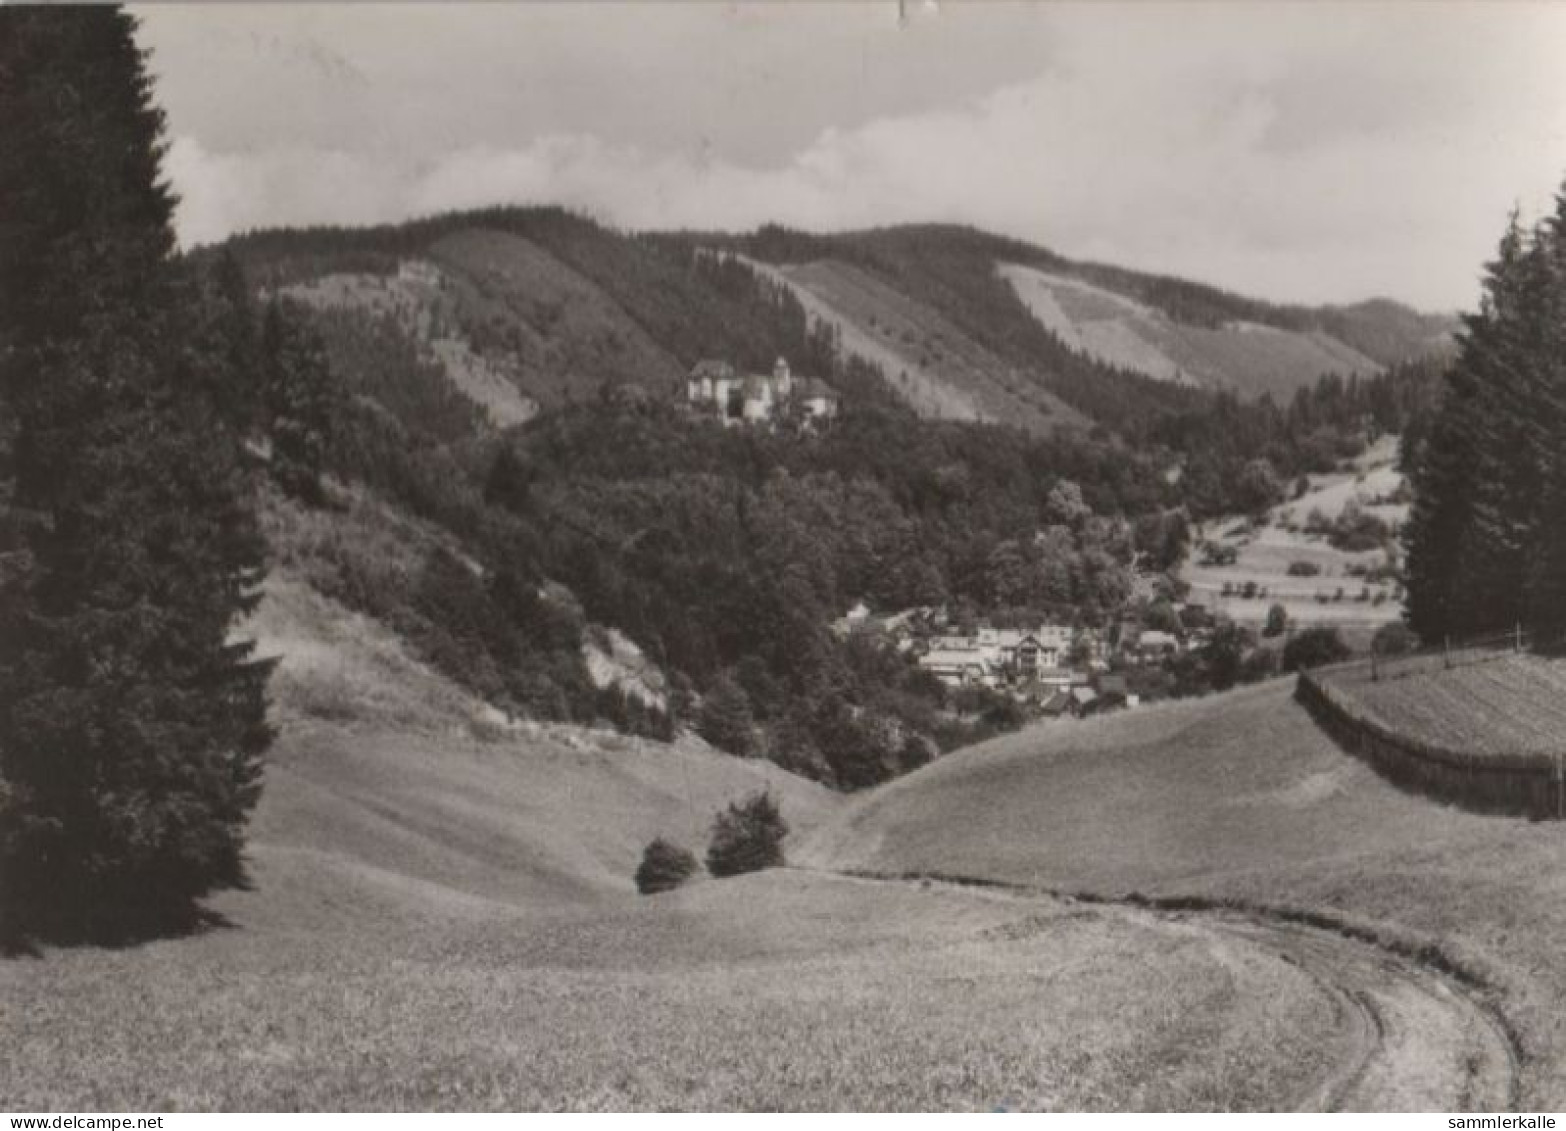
<point x="714" y="386"/>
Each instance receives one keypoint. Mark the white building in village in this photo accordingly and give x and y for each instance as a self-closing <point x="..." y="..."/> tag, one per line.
<point x="994" y="655"/>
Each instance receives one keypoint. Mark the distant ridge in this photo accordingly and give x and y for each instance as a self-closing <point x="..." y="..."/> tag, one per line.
<point x="530" y="308"/>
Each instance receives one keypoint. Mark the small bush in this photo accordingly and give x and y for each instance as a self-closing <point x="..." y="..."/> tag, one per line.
<point x="1303" y="569"/>
<point x="1218" y="554"/>
<point x="747" y="837"/>
<point x="664" y="867"/>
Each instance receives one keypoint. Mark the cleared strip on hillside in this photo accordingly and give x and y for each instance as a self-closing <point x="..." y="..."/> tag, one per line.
<point x="929" y="362"/>
<point x="1249" y="358"/>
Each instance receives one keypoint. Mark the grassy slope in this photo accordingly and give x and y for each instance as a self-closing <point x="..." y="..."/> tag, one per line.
<point x="1239" y="796"/>
<point x="1264" y="556"/>
<point x="949" y="374"/>
<point x="443" y="919"/>
<point x="923" y="388"/>
<point x="1249" y="359"/>
<point x="1489" y="703"/>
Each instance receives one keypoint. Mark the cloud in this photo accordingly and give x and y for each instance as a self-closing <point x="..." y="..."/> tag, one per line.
<point x="1298" y="157"/>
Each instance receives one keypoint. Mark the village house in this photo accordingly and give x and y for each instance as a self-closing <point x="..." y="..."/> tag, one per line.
<point x="758" y="398"/>
<point x="1003" y="655"/>
<point x="1153" y="645"/>
<point x="958" y="667"/>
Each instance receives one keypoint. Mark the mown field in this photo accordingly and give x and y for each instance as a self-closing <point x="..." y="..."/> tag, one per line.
<point x="1241" y="797"/>
<point x="1486" y="703"/>
<point x="1265" y="553"/>
<point x="443" y="917"/>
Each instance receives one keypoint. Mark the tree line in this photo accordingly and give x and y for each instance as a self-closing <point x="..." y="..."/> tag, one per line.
<point x="1486" y="540"/>
<point x="131" y="724"/>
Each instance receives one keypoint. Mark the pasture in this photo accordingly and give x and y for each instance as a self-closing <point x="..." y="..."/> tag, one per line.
<point x="1265" y="551"/>
<point x="1240" y="797"/>
<point x="443" y="918"/>
<point x="1494" y="704"/>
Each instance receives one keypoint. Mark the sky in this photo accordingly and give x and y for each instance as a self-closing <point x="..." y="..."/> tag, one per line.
<point x="1308" y="152"/>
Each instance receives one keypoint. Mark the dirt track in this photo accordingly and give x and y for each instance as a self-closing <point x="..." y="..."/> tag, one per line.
<point x="1408" y="1036"/>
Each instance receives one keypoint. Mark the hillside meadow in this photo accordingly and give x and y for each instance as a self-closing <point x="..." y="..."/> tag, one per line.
<point x="1265" y="550"/>
<point x="442" y="917"/>
<point x="1240" y="798"/>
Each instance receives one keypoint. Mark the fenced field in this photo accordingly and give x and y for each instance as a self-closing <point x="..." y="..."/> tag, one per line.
<point x="1482" y="725"/>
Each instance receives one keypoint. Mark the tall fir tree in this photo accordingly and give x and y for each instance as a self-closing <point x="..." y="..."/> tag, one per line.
<point x="1494" y="555"/>
<point x="131" y="722"/>
<point x="1450" y="567"/>
<point x="1547" y="580"/>
<point x="1486" y="552"/>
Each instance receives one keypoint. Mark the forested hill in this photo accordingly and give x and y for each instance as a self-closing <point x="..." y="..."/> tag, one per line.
<point x="498" y="399"/>
<point x="1080" y="328"/>
<point x="528" y="307"/>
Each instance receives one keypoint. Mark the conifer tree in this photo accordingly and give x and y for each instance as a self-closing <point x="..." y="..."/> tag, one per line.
<point x="1486" y="550"/>
<point x="1452" y="565"/>
<point x="298" y="404"/>
<point x="1506" y="359"/>
<point x="131" y="724"/>
<point x="1546" y="609"/>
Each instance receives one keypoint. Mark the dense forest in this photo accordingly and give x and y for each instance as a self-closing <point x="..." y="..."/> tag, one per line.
<point x="1487" y="538"/>
<point x="726" y="555"/>
<point x="694" y="304"/>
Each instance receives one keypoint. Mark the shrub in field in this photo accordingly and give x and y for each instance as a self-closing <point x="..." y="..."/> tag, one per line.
<point x="1303" y="569"/>
<point x="747" y="837"/>
<point x="1277" y="621"/>
<point x="1217" y="554"/>
<point x="1313" y="648"/>
<point x="664" y="867"/>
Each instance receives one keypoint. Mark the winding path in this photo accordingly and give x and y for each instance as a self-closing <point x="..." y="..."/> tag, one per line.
<point x="1408" y="1037"/>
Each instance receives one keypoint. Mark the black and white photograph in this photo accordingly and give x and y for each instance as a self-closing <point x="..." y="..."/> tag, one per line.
<point x="768" y="556"/>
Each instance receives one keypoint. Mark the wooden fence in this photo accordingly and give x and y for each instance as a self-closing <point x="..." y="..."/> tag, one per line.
<point x="1522" y="785"/>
